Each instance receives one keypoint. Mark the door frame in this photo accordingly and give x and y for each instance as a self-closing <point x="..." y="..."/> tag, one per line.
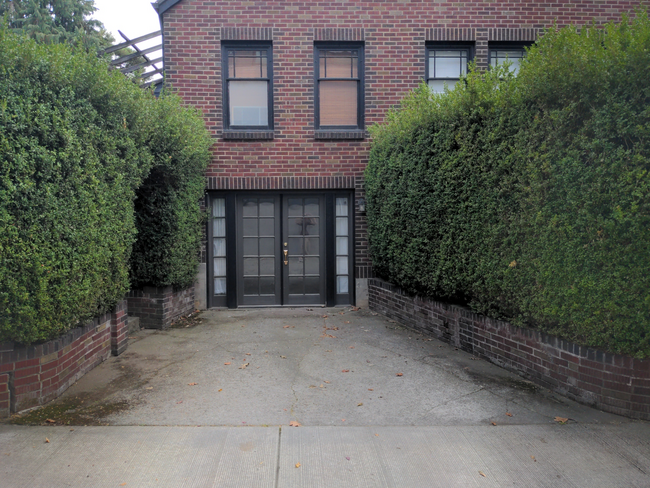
<point x="230" y="299"/>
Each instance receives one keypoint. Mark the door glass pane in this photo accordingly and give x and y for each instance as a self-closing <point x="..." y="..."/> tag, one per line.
<point x="295" y="246"/>
<point x="267" y="227"/>
<point x="250" y="246"/>
<point x="250" y="207"/>
<point x="341" y="226"/>
<point x="219" y="227"/>
<point x="219" y="207"/>
<point x="251" y="286"/>
<point x="341" y="207"/>
<point x="266" y="246"/>
<point x="267" y="285"/>
<point x="295" y="266"/>
<point x="220" y="267"/>
<point x="342" y="284"/>
<point x="267" y="266"/>
<point x="342" y="246"/>
<point x="342" y="265"/>
<point x="295" y="207"/>
<point x="267" y="207"/>
<point x="312" y="207"/>
<point x="295" y="226"/>
<point x="311" y="226"/>
<point x="220" y="286"/>
<point x="312" y="285"/>
<point x="312" y="266"/>
<point x="296" y="285"/>
<point x="250" y="227"/>
<point x="251" y="267"/>
<point x="312" y="246"/>
<point x="219" y="247"/>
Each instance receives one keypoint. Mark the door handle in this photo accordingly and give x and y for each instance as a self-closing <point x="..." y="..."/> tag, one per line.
<point x="286" y="262"/>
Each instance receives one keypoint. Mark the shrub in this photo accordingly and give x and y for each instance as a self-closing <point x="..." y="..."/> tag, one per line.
<point x="528" y="198"/>
<point x="72" y="152"/>
<point x="168" y="214"/>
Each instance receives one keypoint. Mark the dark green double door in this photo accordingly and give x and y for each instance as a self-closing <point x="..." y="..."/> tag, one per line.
<point x="281" y="249"/>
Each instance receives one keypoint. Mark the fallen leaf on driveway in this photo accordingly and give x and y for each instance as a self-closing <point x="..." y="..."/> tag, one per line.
<point x="351" y="347"/>
<point x="347" y="457"/>
<point x="561" y="420"/>
<point x="50" y="421"/>
<point x="297" y="465"/>
<point x="220" y="389"/>
<point x="192" y="384"/>
<point x="482" y="474"/>
<point x="243" y="366"/>
<point x="371" y="389"/>
<point x="494" y="423"/>
<point x="324" y="316"/>
<point x="283" y="357"/>
<point x="293" y="423"/>
<point x="312" y="386"/>
<point x="347" y="321"/>
<point x="345" y="371"/>
<point x="508" y="414"/>
<point x="355" y="309"/>
<point x="248" y="354"/>
<point x="327" y="382"/>
<point x="322" y="386"/>
<point x="360" y="404"/>
<point x="399" y="374"/>
<point x="47" y="441"/>
<point x="533" y="458"/>
<point x="179" y="402"/>
<point x="227" y="364"/>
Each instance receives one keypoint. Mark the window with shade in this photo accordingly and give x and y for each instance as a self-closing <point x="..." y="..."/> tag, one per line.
<point x="248" y="86"/>
<point x="339" y="86"/>
<point x="446" y="64"/>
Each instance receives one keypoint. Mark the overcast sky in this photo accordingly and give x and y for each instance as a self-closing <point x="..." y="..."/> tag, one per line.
<point x="133" y="17"/>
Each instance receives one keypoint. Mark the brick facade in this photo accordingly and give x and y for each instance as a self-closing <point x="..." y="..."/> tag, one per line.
<point x="394" y="35"/>
<point x="610" y="382"/>
<point x="158" y="308"/>
<point x="33" y="375"/>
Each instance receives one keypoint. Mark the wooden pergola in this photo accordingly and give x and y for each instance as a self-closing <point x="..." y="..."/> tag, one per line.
<point x="138" y="61"/>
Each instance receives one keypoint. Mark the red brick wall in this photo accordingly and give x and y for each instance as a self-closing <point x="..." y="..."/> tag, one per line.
<point x="158" y="308"/>
<point x="610" y="382"/>
<point x="394" y="34"/>
<point x="33" y="375"/>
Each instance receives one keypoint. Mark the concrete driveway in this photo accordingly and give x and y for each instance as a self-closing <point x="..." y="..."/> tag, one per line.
<point x="210" y="405"/>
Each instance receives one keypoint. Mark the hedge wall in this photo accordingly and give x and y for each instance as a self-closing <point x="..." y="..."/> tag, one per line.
<point x="528" y="197"/>
<point x="169" y="219"/>
<point x="72" y="153"/>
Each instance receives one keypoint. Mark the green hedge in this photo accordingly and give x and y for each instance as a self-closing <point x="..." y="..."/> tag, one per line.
<point x="72" y="155"/>
<point x="528" y="198"/>
<point x="168" y="215"/>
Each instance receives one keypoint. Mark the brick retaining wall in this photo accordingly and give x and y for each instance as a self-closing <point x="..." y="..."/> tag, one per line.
<point x="610" y="382"/>
<point x="158" y="308"/>
<point x="33" y="375"/>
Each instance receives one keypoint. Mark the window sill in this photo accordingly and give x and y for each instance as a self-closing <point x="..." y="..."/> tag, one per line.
<point x="339" y="134"/>
<point x="248" y="135"/>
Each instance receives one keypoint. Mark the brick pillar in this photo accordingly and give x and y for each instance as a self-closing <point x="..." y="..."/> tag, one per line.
<point x="119" y="328"/>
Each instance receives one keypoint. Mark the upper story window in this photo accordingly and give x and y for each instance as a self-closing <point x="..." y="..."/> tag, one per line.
<point x="339" y="86"/>
<point x="513" y="53"/>
<point x="248" y="86"/>
<point x="446" y="63"/>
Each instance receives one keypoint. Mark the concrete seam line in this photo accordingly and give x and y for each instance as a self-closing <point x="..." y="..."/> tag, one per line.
<point x="277" y="461"/>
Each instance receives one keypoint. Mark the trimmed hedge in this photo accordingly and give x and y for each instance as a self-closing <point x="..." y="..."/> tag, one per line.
<point x="169" y="219"/>
<point x="528" y="197"/>
<point x="72" y="152"/>
<point x="79" y="144"/>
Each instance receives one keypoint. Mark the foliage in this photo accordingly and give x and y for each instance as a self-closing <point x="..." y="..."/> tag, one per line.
<point x="60" y="21"/>
<point x="528" y="198"/>
<point x="72" y="148"/>
<point x="168" y="216"/>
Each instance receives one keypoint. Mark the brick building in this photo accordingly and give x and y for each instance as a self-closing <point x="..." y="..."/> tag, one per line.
<point x="289" y="89"/>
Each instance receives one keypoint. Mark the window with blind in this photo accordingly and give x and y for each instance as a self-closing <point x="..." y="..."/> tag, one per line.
<point x="446" y="63"/>
<point x="339" y="86"/>
<point x="248" y="86"/>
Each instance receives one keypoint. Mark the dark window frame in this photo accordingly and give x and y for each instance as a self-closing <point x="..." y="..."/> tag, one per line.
<point x="340" y="46"/>
<point x="506" y="46"/>
<point x="226" y="48"/>
<point x="446" y="46"/>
